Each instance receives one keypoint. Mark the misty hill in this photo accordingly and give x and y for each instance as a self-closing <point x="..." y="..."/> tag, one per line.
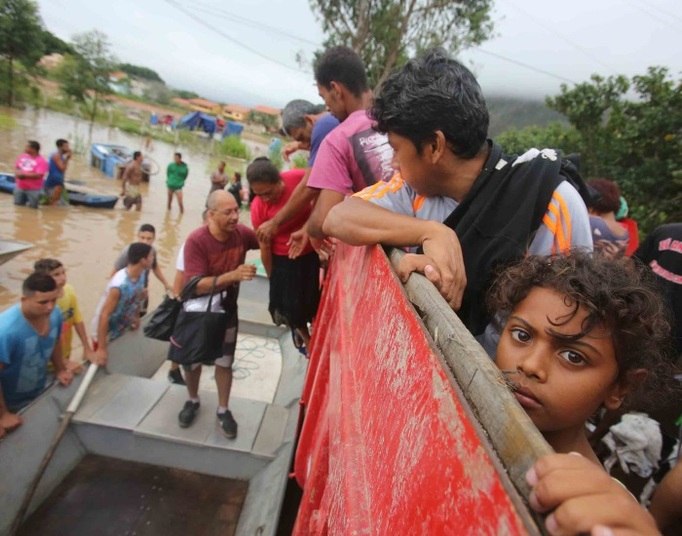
<point x="514" y="112"/>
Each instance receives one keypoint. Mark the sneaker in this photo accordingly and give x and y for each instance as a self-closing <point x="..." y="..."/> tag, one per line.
<point x="175" y="376"/>
<point x="189" y="411"/>
<point x="228" y="424"/>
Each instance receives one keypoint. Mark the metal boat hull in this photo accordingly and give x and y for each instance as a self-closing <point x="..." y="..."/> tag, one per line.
<point x="11" y="248"/>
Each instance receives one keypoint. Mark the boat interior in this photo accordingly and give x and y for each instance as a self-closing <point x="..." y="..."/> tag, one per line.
<point x="151" y="476"/>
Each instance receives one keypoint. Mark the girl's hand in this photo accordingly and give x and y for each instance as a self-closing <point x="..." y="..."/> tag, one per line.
<point x="583" y="498"/>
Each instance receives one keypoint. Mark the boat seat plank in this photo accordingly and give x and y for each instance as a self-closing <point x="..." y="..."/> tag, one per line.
<point x="162" y="421"/>
<point x="101" y="391"/>
<point x="129" y="404"/>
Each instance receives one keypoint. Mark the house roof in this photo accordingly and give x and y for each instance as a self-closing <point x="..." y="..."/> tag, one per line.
<point x="181" y="102"/>
<point x="268" y="110"/>
<point x="203" y="102"/>
<point x="236" y="109"/>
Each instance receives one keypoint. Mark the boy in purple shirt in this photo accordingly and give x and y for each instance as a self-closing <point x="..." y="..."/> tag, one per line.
<point x="353" y="156"/>
<point x="29" y="170"/>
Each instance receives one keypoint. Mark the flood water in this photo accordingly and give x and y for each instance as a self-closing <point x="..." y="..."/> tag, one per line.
<point x="87" y="240"/>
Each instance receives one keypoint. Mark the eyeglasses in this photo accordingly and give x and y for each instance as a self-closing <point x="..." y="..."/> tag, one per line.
<point x="227" y="212"/>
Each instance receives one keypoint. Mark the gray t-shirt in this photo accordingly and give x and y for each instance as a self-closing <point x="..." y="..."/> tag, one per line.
<point x="566" y="209"/>
<point x="566" y="217"/>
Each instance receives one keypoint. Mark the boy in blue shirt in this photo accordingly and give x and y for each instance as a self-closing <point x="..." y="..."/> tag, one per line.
<point x="54" y="183"/>
<point x="29" y="338"/>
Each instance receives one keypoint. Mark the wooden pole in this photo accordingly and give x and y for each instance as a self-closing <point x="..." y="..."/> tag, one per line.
<point x="513" y="435"/>
<point x="66" y="420"/>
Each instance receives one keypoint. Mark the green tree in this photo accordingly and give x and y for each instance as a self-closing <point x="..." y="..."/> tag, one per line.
<point x="140" y="72"/>
<point x="85" y="76"/>
<point x="20" y="40"/>
<point x="631" y="131"/>
<point x="157" y="92"/>
<point x="269" y="121"/>
<point x="53" y="44"/>
<point x="185" y="94"/>
<point x="386" y="32"/>
<point x="554" y="135"/>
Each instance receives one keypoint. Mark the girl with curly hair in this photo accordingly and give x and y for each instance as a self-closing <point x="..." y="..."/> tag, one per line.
<point x="578" y="333"/>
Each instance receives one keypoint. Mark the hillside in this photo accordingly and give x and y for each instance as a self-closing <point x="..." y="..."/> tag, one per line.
<point x="513" y="112"/>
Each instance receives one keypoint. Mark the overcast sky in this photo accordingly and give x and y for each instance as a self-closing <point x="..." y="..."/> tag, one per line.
<point x="244" y="51"/>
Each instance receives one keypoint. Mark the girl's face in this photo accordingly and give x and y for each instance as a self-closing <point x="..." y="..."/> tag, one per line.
<point x="560" y="383"/>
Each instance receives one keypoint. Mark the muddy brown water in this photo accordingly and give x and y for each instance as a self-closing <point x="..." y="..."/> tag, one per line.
<point x="88" y="240"/>
<point x="106" y="496"/>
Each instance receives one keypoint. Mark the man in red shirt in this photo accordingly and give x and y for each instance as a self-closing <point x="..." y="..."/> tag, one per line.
<point x="294" y="283"/>
<point x="216" y="252"/>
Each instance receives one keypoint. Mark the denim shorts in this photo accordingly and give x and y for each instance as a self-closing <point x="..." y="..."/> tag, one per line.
<point x="27" y="197"/>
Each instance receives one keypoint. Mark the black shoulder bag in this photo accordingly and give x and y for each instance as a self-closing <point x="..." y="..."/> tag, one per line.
<point x="198" y="335"/>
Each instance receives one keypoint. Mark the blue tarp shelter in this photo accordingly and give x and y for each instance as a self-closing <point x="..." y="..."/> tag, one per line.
<point x="232" y="129"/>
<point x="198" y="121"/>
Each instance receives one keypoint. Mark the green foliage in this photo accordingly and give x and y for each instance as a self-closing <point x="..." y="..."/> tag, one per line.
<point x="25" y="90"/>
<point x="73" y="79"/>
<point x="54" y="45"/>
<point x="157" y="92"/>
<point x="85" y="76"/>
<point x="275" y="156"/>
<point x="270" y="122"/>
<point x="555" y="135"/>
<point x="631" y="131"/>
<point x="7" y="122"/>
<point x="140" y="72"/>
<point x="386" y="32"/>
<point x="299" y="161"/>
<point x="184" y="94"/>
<point x="235" y="147"/>
<point x="20" y="41"/>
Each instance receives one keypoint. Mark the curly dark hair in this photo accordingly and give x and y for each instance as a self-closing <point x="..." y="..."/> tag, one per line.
<point x="620" y="296"/>
<point x="608" y="196"/>
<point x="429" y="93"/>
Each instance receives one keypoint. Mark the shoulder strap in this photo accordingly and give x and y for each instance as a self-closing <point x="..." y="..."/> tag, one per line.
<point x="190" y="287"/>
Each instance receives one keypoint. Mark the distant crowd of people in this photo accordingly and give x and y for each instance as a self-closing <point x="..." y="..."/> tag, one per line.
<point x="542" y="267"/>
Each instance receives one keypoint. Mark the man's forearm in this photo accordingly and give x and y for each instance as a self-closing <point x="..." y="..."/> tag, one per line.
<point x="300" y="198"/>
<point x="359" y="222"/>
<point x="57" y="359"/>
<point x="221" y="282"/>
<point x="103" y="330"/>
<point x="159" y="275"/>
<point x="266" y="258"/>
<point x="327" y="200"/>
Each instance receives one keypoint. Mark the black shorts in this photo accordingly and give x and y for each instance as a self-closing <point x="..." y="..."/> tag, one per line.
<point x="294" y="289"/>
<point x="229" y="345"/>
